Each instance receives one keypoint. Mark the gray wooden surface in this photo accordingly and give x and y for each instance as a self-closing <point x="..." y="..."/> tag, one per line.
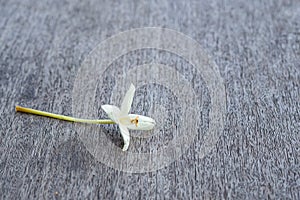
<point x="256" y="45"/>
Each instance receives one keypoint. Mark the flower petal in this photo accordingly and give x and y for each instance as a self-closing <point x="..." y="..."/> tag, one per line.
<point x="140" y="122"/>
<point x="127" y="101"/>
<point x="113" y="112"/>
<point x="126" y="137"/>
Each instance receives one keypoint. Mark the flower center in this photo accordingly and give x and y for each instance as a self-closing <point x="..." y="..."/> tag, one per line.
<point x="135" y="121"/>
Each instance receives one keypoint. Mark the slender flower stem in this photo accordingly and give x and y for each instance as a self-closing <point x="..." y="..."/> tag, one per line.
<point x="63" y="117"/>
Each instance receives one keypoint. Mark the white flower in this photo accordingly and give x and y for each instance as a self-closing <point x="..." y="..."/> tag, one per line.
<point x="128" y="121"/>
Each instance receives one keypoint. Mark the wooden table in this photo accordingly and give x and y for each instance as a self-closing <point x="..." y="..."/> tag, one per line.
<point x="253" y="48"/>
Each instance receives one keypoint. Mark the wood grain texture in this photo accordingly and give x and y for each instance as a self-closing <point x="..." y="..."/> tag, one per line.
<point x="256" y="46"/>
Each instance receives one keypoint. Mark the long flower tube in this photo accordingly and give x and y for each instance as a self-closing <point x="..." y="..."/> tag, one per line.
<point x="117" y="115"/>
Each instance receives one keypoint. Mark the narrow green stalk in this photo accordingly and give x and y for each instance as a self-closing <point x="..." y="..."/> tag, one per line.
<point x="63" y="117"/>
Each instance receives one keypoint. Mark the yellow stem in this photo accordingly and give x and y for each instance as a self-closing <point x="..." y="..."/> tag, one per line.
<point x="63" y="117"/>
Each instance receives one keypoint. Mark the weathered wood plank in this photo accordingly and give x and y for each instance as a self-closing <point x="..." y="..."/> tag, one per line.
<point x="256" y="48"/>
